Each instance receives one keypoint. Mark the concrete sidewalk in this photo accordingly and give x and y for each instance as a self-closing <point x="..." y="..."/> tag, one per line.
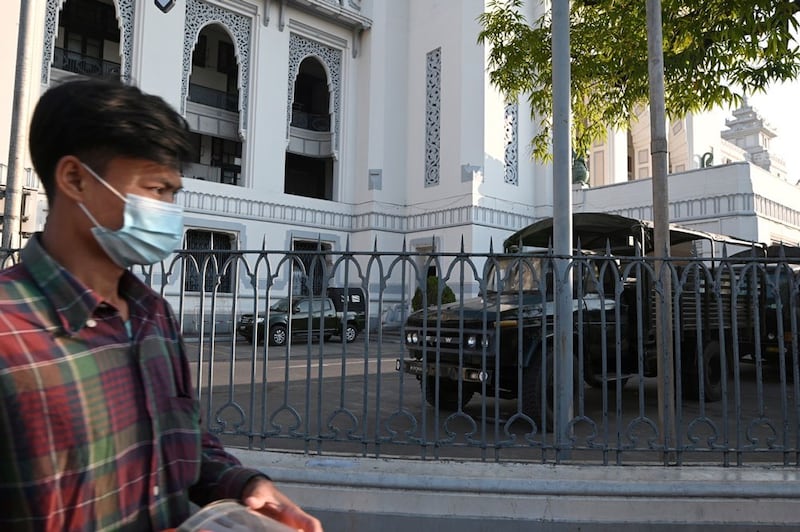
<point x="352" y="494"/>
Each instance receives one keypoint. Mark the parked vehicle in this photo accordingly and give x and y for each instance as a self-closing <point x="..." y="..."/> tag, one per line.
<point x="501" y="343"/>
<point x="299" y="317"/>
<point x="772" y="338"/>
<point x="350" y="301"/>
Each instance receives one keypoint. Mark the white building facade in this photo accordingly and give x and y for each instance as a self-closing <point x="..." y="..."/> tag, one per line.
<point x="364" y="123"/>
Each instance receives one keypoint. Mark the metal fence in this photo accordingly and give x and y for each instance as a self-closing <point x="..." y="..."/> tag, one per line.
<point x="472" y="379"/>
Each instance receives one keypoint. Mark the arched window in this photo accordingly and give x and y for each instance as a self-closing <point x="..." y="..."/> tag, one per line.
<point x="311" y="103"/>
<point x="214" y="82"/>
<point x="309" y="158"/>
<point x="88" y="39"/>
<point x="215" y="72"/>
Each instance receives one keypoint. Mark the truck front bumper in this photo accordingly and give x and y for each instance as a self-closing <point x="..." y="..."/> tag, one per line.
<point x="415" y="367"/>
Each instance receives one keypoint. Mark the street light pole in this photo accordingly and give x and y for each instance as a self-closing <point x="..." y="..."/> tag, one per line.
<point x="562" y="220"/>
<point x="16" y="147"/>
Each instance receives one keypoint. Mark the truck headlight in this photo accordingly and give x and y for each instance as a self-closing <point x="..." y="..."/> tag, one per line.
<point x="472" y="341"/>
<point x="412" y="338"/>
<point x="259" y="320"/>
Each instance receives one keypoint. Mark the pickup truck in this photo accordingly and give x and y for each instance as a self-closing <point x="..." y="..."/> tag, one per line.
<point x="300" y="317"/>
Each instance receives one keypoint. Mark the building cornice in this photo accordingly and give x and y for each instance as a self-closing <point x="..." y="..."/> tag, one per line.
<point x="328" y="10"/>
<point x="209" y="204"/>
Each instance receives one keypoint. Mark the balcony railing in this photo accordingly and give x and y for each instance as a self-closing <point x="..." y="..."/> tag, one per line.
<point x="82" y="64"/>
<point x="311" y="121"/>
<point x="213" y="97"/>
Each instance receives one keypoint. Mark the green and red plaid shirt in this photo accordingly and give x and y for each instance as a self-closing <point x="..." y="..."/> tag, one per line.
<point x="99" y="430"/>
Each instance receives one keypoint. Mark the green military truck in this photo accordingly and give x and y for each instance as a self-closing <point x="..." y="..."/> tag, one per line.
<point x="501" y="342"/>
<point x="772" y="339"/>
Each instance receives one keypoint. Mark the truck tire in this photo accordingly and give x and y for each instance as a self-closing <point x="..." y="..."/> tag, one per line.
<point x="532" y="397"/>
<point x="711" y="360"/>
<point x="448" y="394"/>
<point x="277" y="335"/>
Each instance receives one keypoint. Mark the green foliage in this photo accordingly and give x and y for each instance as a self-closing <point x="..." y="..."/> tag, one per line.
<point x="715" y="51"/>
<point x="433" y="294"/>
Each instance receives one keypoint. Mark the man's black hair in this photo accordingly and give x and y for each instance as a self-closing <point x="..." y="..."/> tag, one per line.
<point x="98" y="120"/>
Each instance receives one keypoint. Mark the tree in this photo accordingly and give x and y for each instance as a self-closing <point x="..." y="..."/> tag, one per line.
<point x="715" y="51"/>
<point x="432" y="292"/>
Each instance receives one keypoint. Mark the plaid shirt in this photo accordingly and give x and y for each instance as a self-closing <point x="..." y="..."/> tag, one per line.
<point x="98" y="430"/>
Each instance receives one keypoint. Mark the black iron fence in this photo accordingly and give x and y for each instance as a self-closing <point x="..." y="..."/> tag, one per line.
<point x="472" y="379"/>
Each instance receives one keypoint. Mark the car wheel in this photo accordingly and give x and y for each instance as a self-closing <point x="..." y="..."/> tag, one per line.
<point x="277" y="335"/>
<point x="350" y="333"/>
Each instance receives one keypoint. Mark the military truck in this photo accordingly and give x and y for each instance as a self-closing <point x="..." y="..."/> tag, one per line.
<point x="772" y="338"/>
<point x="501" y="342"/>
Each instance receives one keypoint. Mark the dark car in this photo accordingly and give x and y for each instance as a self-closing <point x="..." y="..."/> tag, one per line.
<point x="299" y="317"/>
<point x="352" y="300"/>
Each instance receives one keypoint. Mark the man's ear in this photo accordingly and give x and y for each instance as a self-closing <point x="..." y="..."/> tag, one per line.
<point x="70" y="177"/>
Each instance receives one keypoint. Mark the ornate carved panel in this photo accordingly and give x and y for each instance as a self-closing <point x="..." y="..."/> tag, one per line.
<point x="510" y="163"/>
<point x="433" y="88"/>
<point x="200" y="14"/>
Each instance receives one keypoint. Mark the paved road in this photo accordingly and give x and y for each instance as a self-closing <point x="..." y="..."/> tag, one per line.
<point x="348" y="398"/>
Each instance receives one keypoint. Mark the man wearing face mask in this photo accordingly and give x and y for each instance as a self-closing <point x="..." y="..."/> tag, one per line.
<point x="99" y="426"/>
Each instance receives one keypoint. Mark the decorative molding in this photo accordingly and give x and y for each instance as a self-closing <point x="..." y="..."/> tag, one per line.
<point x="333" y="11"/>
<point x="683" y="212"/>
<point x="126" y="10"/>
<point x="774" y="210"/>
<point x="354" y="4"/>
<point x="686" y="212"/>
<point x="317" y="34"/>
<point x="510" y="162"/>
<point x="200" y="14"/>
<point x="433" y="116"/>
<point x="203" y="203"/>
<point x="246" y="7"/>
<point x="300" y="48"/>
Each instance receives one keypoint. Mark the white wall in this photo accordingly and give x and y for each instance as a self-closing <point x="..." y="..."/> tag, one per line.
<point x="722" y="199"/>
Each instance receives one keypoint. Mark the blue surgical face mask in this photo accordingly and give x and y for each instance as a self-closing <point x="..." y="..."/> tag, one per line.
<point x="151" y="230"/>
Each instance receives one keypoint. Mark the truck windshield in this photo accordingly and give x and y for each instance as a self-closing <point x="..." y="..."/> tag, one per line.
<point x="512" y="274"/>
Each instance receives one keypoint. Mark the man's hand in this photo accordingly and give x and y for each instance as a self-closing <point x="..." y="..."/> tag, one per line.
<point x="262" y="496"/>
